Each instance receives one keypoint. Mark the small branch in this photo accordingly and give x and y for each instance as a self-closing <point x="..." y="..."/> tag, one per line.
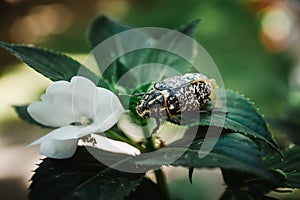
<point x="123" y="139"/>
<point x="159" y="175"/>
<point x="162" y="183"/>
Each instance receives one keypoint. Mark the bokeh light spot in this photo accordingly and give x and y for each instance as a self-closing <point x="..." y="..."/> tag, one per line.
<point x="41" y="20"/>
<point x="276" y="29"/>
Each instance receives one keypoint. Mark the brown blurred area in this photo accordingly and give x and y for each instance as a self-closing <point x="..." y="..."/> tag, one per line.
<point x="41" y="22"/>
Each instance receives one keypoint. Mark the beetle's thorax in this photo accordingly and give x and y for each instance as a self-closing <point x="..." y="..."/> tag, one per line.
<point x="175" y="95"/>
<point x="152" y="104"/>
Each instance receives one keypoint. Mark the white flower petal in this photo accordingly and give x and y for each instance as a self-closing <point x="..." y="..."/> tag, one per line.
<point x="115" y="146"/>
<point x="49" y="115"/>
<point x="65" y="102"/>
<point x="108" y="109"/>
<point x="104" y="126"/>
<point x="84" y="96"/>
<point x="59" y="149"/>
<point x="66" y="133"/>
<point x="111" y="120"/>
<point x="55" y="109"/>
<point x="60" y="143"/>
<point x="85" y="130"/>
<point x="69" y="102"/>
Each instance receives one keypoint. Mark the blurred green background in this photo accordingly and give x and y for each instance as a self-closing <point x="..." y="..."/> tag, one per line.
<point x="255" y="44"/>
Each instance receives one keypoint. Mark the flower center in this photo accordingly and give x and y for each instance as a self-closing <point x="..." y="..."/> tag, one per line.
<point x="85" y="121"/>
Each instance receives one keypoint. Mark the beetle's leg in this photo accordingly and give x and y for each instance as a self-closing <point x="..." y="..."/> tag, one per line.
<point x="174" y="120"/>
<point x="157" y="125"/>
<point x="220" y="112"/>
<point x="213" y="111"/>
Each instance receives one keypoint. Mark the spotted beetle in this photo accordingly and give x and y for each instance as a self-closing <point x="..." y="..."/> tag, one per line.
<point x="175" y="95"/>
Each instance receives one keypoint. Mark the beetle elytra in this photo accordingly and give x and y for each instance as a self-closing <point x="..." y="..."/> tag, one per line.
<point x="176" y="95"/>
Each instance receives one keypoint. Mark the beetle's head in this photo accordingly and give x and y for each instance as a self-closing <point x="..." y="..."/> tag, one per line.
<point x="142" y="110"/>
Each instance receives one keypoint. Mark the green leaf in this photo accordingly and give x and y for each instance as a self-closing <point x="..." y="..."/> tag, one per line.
<point x="53" y="65"/>
<point x="290" y="168"/>
<point x="237" y="180"/>
<point x="174" y="41"/>
<point x="24" y="115"/>
<point x="243" y="195"/>
<point x="288" y="123"/>
<point x="81" y="177"/>
<point x="190" y="28"/>
<point x="241" y="116"/>
<point x="289" y="127"/>
<point x="151" y="55"/>
<point x="115" y="71"/>
<point x="232" y="151"/>
<point x="240" y="181"/>
<point x="147" y="189"/>
<point x="191" y="171"/>
<point x="102" y="28"/>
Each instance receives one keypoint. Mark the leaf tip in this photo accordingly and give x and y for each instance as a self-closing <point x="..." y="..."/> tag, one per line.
<point x="191" y="171"/>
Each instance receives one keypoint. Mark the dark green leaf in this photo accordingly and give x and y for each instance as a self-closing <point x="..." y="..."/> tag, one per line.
<point x="232" y="151"/>
<point x="53" y="65"/>
<point x="167" y="47"/>
<point x="147" y="189"/>
<point x="191" y="171"/>
<point x="81" y="177"/>
<point x="237" y="180"/>
<point x="102" y="28"/>
<point x="115" y="71"/>
<point x="104" y="84"/>
<point x="243" y="195"/>
<point x="240" y="180"/>
<point x="290" y="168"/>
<point x="289" y="127"/>
<point x="190" y="28"/>
<point x="24" y="115"/>
<point x="164" y="51"/>
<point x="241" y="116"/>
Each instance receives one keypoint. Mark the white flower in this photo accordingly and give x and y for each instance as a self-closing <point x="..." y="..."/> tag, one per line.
<point x="76" y="108"/>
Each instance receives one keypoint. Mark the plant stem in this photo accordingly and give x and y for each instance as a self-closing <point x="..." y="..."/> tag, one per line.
<point x="159" y="174"/>
<point x="162" y="183"/>
<point x="119" y="137"/>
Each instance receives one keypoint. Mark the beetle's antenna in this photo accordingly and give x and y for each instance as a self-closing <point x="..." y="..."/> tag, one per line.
<point x="122" y="94"/>
<point x="139" y="94"/>
<point x="136" y="95"/>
